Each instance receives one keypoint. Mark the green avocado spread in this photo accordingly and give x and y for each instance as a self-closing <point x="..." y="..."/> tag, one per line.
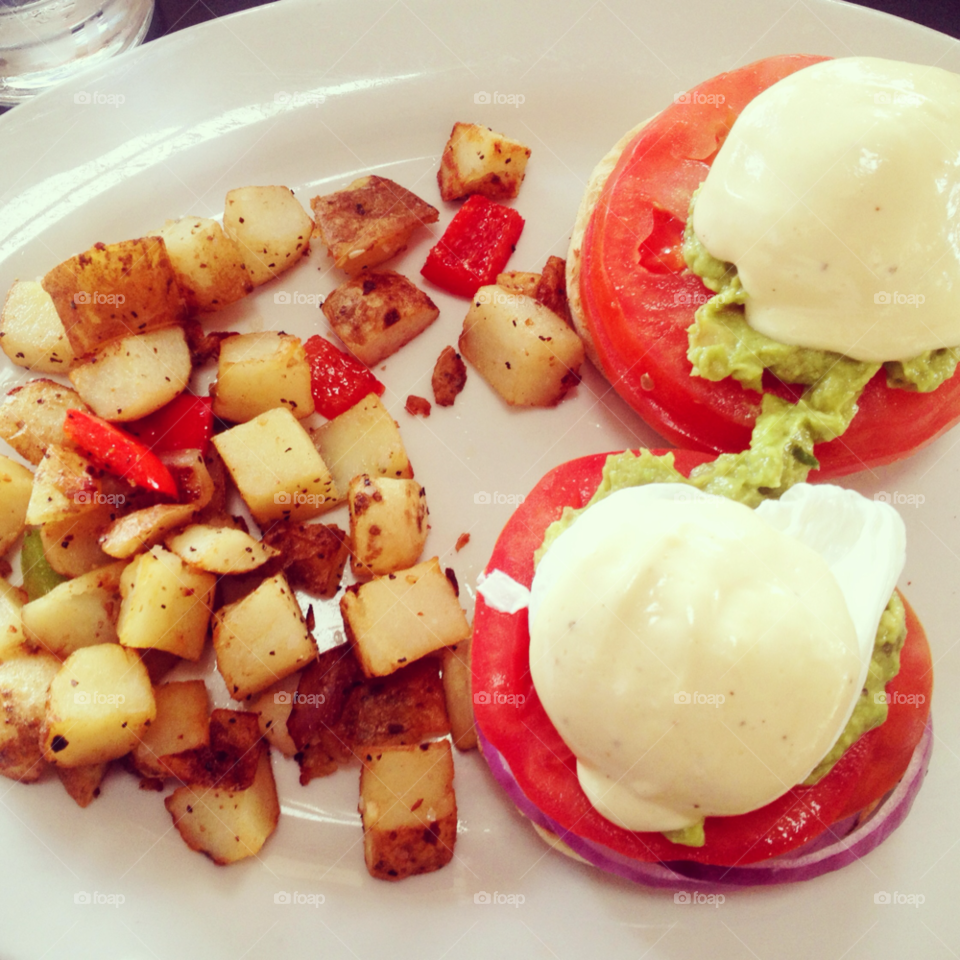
<point x="628" y="470"/>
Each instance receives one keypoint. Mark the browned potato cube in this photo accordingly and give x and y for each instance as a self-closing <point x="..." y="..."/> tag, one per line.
<point x="227" y="825"/>
<point x="72" y="545"/>
<point x="401" y="617"/>
<point x="388" y="524"/>
<point x="208" y="264"/>
<point x="369" y="222"/>
<point x="115" y="290"/>
<point x="272" y="708"/>
<point x="31" y="332"/>
<point x="145" y="528"/>
<point x="324" y="689"/>
<point x="261" y="639"/>
<point x="519" y="282"/>
<point x="376" y="314"/>
<point x="182" y="723"/>
<point x="478" y="160"/>
<point x="220" y="550"/>
<point x="31" y="417"/>
<point x="458" y="692"/>
<point x="523" y="350"/>
<point x="66" y="484"/>
<point x="313" y="555"/>
<point x="405" y="708"/>
<point x="363" y="439"/>
<point x="551" y="289"/>
<point x="24" y="683"/>
<point x="409" y="809"/>
<point x="83" y="783"/>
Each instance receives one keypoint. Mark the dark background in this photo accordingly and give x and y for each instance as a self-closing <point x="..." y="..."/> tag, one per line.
<point x="172" y="15"/>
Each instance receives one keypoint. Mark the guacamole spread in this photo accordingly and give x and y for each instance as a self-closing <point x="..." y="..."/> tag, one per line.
<point x="627" y="470"/>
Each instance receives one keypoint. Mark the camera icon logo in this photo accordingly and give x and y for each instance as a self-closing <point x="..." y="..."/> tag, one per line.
<point x="481" y="897"/>
<point x="281" y="96"/>
<point x="681" y="896"/>
<point x="81" y="297"/>
<point x="282" y="296"/>
<point x="283" y="696"/>
<point x="481" y="97"/>
<point x="81" y="697"/>
<point x="481" y="696"/>
<point x="882" y="296"/>
<point x="282" y="497"/>
<point x="81" y="897"/>
<point x="281" y="897"/>
<point x="82" y="97"/>
<point x="882" y="897"/>
<point x="681" y="696"/>
<point x="482" y="497"/>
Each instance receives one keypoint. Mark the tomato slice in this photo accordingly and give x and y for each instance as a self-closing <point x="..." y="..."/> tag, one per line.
<point x="638" y="300"/>
<point x="514" y="721"/>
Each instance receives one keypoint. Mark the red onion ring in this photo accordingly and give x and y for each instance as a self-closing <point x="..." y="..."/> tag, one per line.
<point x="839" y="845"/>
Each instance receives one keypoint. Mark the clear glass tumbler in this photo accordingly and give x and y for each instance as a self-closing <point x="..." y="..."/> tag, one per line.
<point x="45" y="41"/>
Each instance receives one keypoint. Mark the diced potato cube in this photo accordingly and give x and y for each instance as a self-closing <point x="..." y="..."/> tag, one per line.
<point x="523" y="350"/>
<point x="208" y="264"/>
<point x="16" y="485"/>
<point x="478" y="160"/>
<point x="31" y="417"/>
<point x="12" y="638"/>
<point x="369" y="222"/>
<point x="377" y="313"/>
<point x="100" y="703"/>
<point x="133" y="376"/>
<point x="261" y="638"/>
<point x="260" y="371"/>
<point x="145" y="528"/>
<point x="229" y="760"/>
<point x="221" y="550"/>
<point x="115" y="290"/>
<point x="66" y="484"/>
<point x="79" y="613"/>
<point x="24" y="683"/>
<point x="363" y="439"/>
<point x="269" y="226"/>
<point x="182" y="723"/>
<point x="227" y="825"/>
<point x="276" y="468"/>
<point x="273" y="707"/>
<point x="31" y="332"/>
<point x="166" y="604"/>
<point x="518" y="282"/>
<point x="72" y="545"/>
<point x="409" y="809"/>
<point x="458" y="693"/>
<point x="388" y="524"/>
<point x="401" y="617"/>
<point x="83" y="783"/>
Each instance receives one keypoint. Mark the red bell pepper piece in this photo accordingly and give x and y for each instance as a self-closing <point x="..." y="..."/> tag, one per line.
<point x="474" y="248"/>
<point x="185" y="423"/>
<point x="118" y="453"/>
<point x="337" y="380"/>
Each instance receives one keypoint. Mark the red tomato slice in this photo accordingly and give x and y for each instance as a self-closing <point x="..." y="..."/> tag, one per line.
<point x="545" y="767"/>
<point x="638" y="300"/>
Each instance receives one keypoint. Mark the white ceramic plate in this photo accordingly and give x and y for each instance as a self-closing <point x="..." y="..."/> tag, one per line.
<point x="312" y="94"/>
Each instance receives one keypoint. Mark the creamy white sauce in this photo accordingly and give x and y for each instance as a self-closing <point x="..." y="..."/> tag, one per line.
<point x="699" y="657"/>
<point x="837" y="195"/>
